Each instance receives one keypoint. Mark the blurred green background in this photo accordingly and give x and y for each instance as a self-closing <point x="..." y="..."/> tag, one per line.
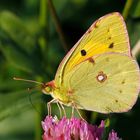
<point x="32" y="46"/>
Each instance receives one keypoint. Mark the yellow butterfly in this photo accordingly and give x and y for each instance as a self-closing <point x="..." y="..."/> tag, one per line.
<point x="98" y="73"/>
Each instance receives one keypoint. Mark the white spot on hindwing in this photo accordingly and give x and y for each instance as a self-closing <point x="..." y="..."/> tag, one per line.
<point x="101" y="77"/>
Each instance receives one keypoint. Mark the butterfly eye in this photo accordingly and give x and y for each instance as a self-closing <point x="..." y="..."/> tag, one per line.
<point x="47" y="90"/>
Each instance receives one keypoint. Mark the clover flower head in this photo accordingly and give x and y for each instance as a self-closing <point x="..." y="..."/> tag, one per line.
<point x="70" y="129"/>
<point x="73" y="129"/>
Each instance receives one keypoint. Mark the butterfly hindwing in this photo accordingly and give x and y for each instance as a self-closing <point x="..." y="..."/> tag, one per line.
<point x="110" y="83"/>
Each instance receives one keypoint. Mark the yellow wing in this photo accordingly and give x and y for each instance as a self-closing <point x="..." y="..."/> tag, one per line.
<point x="109" y="84"/>
<point x="107" y="34"/>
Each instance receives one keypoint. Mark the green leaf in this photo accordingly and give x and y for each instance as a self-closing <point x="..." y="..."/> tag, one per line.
<point x="16" y="30"/>
<point x="137" y="10"/>
<point x="16" y="102"/>
<point x="17" y="58"/>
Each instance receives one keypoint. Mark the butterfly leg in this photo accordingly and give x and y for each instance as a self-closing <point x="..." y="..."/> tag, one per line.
<point x="75" y="107"/>
<point x="49" y="106"/>
<point x="63" y="109"/>
<point x="59" y="107"/>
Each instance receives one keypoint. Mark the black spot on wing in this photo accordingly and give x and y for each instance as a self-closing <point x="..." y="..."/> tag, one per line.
<point x="83" y="52"/>
<point x="111" y="45"/>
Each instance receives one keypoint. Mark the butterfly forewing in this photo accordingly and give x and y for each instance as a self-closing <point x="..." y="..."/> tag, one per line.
<point x="107" y="34"/>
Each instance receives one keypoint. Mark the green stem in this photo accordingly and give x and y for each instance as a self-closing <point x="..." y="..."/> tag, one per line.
<point x="43" y="13"/>
<point x="127" y="8"/>
<point x="57" y="25"/>
<point x="38" y="128"/>
<point x="43" y="24"/>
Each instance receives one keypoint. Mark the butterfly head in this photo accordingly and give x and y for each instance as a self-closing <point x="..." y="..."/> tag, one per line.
<point x="48" y="88"/>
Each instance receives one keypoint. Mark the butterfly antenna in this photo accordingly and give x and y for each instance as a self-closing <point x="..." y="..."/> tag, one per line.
<point x="26" y="80"/>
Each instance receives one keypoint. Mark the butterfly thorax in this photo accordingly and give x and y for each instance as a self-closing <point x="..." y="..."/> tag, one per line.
<point x="56" y="92"/>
